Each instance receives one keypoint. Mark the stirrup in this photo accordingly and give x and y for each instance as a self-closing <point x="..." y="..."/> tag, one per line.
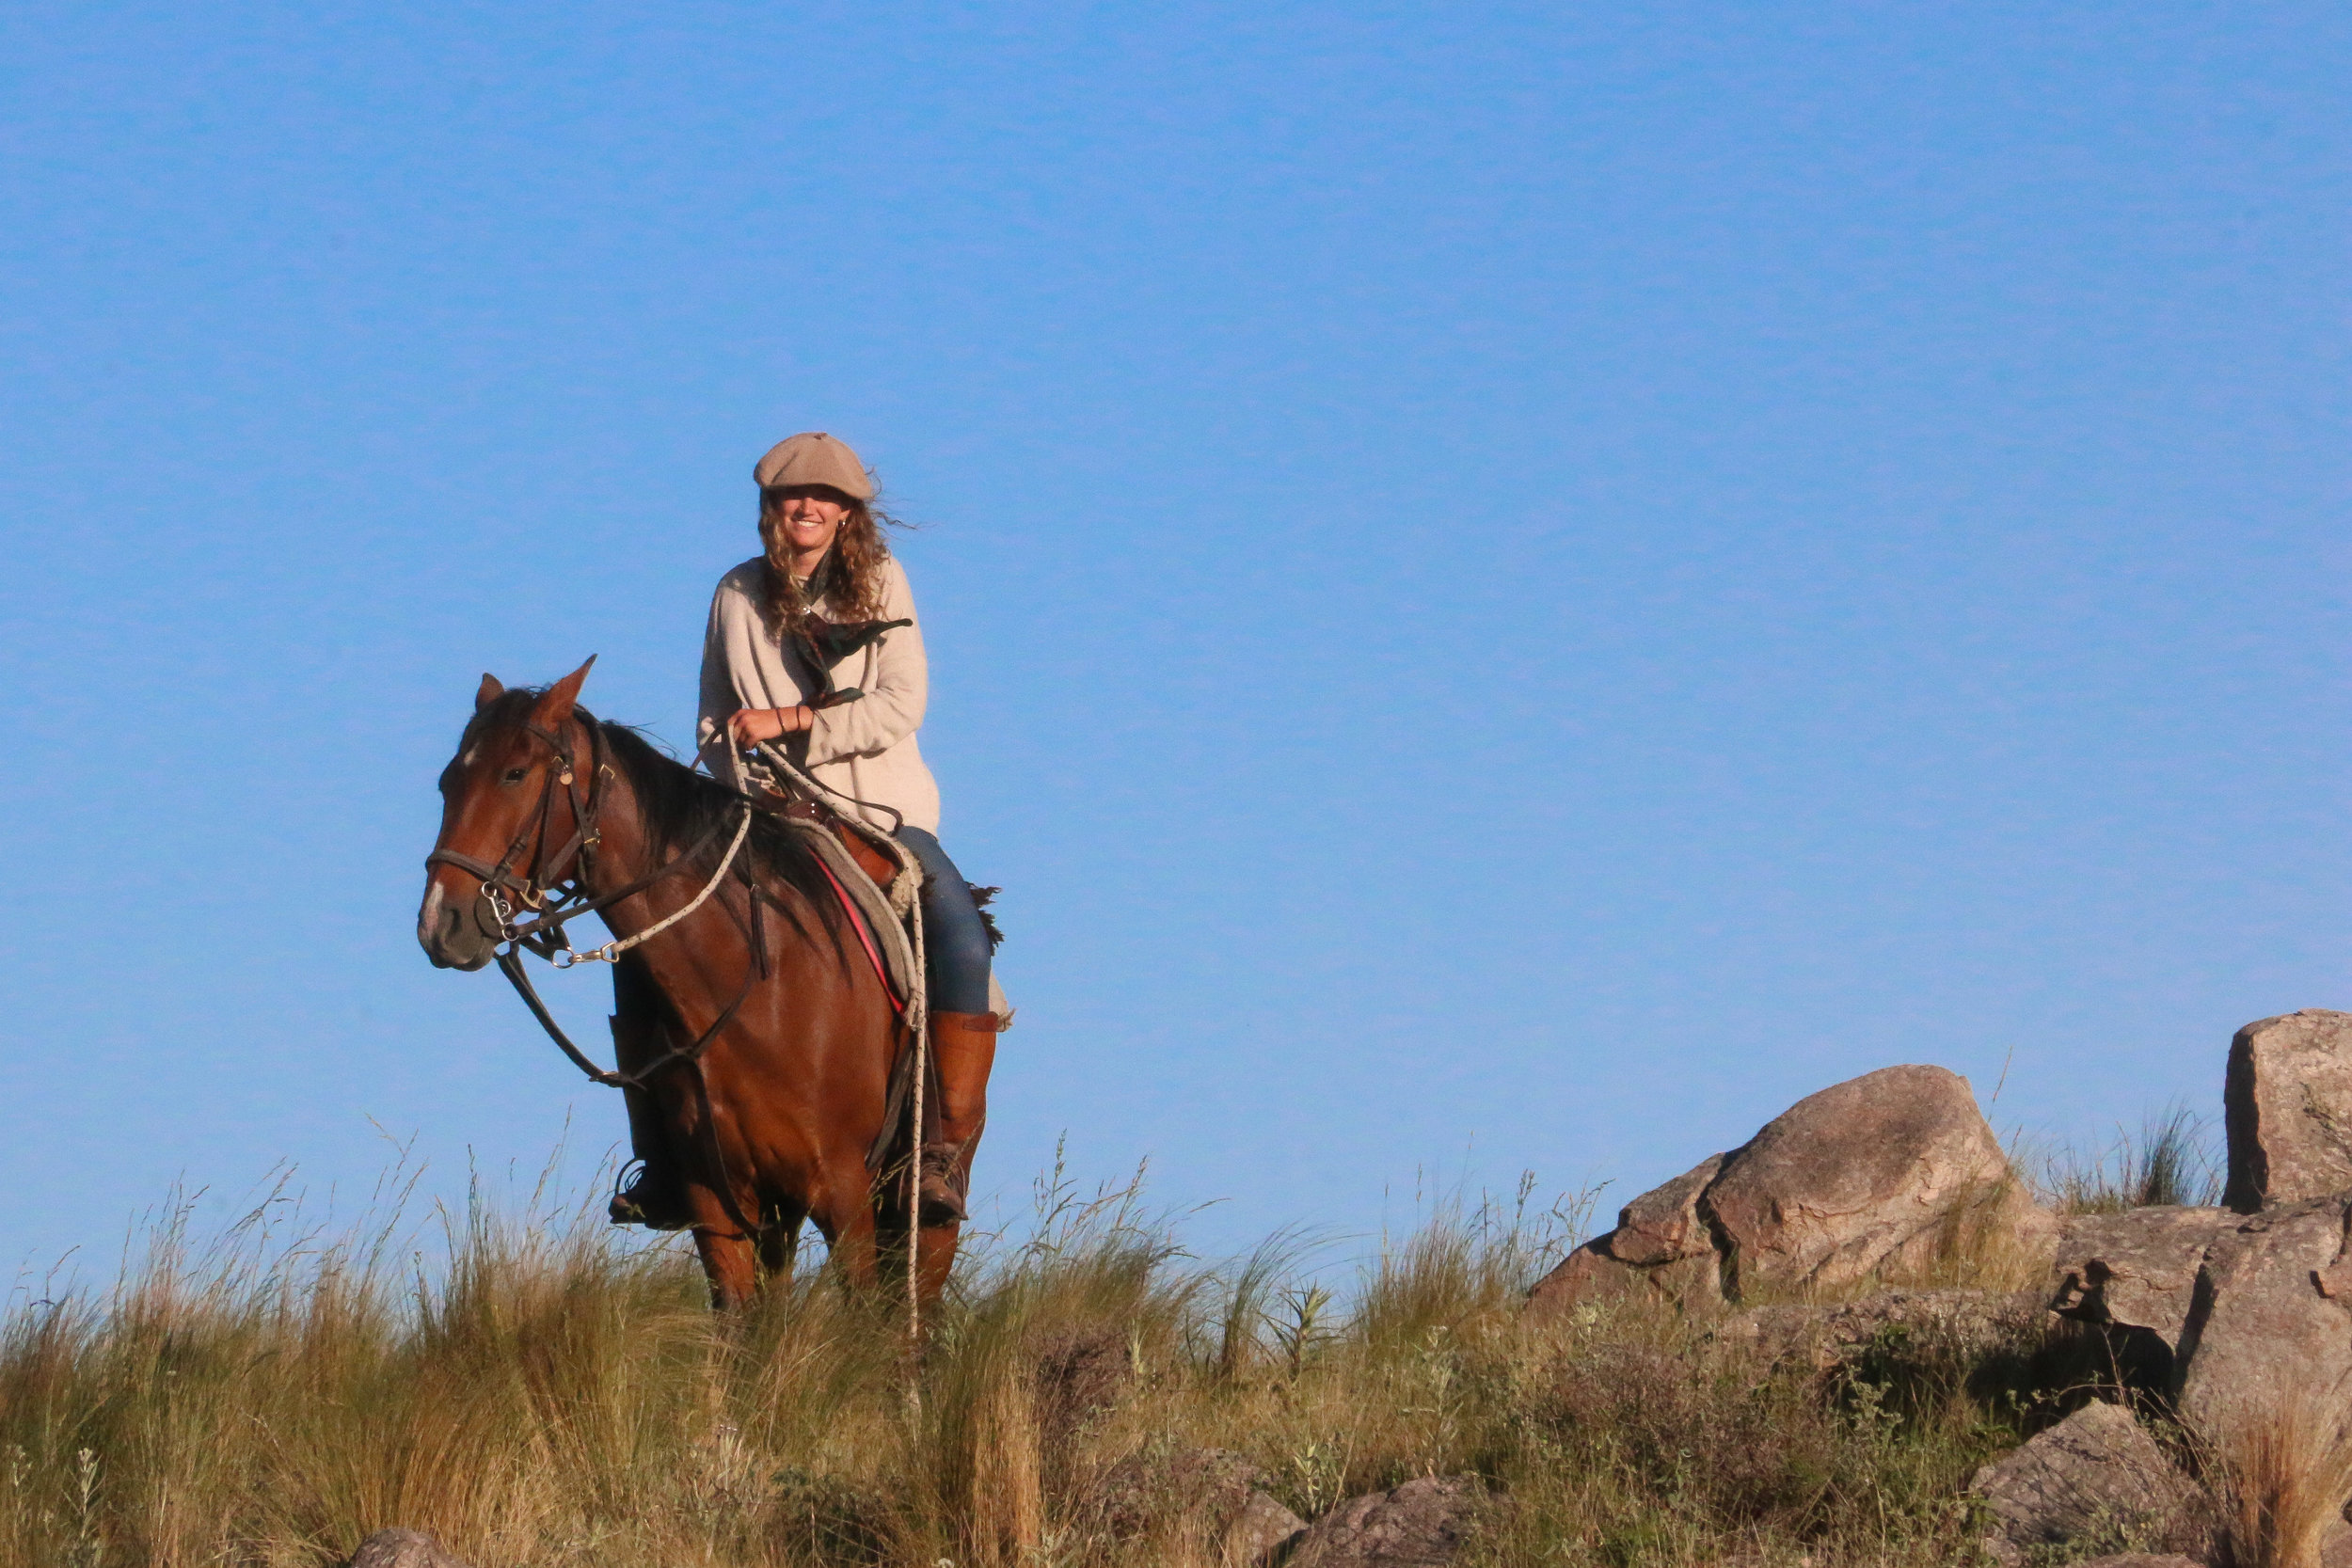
<point x="628" y="1206"/>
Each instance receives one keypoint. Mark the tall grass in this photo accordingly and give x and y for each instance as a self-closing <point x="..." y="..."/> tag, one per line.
<point x="2280" y="1461"/>
<point x="536" y="1391"/>
<point x="2171" y="1160"/>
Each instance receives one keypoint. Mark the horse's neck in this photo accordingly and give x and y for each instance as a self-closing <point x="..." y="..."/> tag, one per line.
<point x="625" y="853"/>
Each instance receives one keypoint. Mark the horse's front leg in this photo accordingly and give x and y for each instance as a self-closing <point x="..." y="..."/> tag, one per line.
<point x="730" y="1263"/>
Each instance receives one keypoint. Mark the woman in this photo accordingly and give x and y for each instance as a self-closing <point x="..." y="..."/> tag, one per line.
<point x="851" y="727"/>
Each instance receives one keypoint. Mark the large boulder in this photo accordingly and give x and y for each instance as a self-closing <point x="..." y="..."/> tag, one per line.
<point x="2136" y="1269"/>
<point x="1879" y="1172"/>
<point x="1866" y="1174"/>
<point x="2095" y="1480"/>
<point x="2269" y="1331"/>
<point x="1422" y="1524"/>
<point x="2287" y="1108"/>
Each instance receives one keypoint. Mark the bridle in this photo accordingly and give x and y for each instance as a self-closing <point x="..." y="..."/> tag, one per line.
<point x="543" y="885"/>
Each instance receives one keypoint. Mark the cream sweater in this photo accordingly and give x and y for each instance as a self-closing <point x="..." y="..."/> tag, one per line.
<point x="863" y="748"/>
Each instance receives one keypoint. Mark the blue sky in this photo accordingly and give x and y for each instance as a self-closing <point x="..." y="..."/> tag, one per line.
<point x="1508" y="586"/>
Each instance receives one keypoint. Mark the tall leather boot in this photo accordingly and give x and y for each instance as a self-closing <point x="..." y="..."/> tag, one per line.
<point x="963" y="1048"/>
<point x="652" y="1197"/>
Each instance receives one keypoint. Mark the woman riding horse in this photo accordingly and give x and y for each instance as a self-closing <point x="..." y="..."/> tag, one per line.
<point x="823" y="569"/>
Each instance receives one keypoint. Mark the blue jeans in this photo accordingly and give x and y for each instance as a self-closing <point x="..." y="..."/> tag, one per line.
<point x="954" y="943"/>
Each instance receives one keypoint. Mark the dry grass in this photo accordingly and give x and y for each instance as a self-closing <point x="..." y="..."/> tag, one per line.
<point x="2171" y="1160"/>
<point x="2283" y="1472"/>
<point x="538" y="1391"/>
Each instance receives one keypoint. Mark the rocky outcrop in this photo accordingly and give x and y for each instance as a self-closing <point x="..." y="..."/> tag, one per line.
<point x="403" y="1548"/>
<point x="2287" y="1108"/>
<point x="1422" y="1524"/>
<point x="2269" y="1331"/>
<point x="2096" y="1478"/>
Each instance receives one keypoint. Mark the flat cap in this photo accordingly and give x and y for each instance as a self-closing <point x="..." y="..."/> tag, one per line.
<point x="815" y="458"/>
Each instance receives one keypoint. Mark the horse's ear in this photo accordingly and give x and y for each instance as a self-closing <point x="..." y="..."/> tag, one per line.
<point x="555" y="708"/>
<point x="489" y="691"/>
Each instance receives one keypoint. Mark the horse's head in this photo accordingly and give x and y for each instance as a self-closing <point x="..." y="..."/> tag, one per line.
<point x="508" y="783"/>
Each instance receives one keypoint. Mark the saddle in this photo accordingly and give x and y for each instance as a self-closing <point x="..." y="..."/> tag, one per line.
<point x="876" y="894"/>
<point x="880" y="898"/>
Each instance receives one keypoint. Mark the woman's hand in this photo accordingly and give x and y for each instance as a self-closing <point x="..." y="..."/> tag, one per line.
<point x="749" y="726"/>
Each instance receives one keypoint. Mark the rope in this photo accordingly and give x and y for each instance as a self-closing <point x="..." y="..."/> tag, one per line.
<point x="611" y="952"/>
<point x="918" y="1004"/>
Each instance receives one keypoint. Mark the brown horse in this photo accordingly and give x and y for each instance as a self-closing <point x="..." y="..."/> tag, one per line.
<point x="772" y="1038"/>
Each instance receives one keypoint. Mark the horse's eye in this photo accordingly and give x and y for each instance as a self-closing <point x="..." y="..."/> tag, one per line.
<point x="514" y="775"/>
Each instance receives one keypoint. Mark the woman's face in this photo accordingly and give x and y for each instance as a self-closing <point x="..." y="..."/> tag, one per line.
<point x="805" y="517"/>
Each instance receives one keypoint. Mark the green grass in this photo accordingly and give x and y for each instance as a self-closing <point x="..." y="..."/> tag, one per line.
<point x="536" y="1389"/>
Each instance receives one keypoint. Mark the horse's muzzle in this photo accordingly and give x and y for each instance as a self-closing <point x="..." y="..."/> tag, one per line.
<point x="449" y="937"/>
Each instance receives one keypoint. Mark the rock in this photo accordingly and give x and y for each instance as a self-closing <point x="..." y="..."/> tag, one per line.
<point x="2134" y="1270"/>
<point x="403" y="1548"/>
<point x="1660" y="1242"/>
<point x="1260" y="1531"/>
<point x="1421" y="1523"/>
<point x="1861" y="1175"/>
<point x="2141" y="1559"/>
<point x="2270" y="1327"/>
<point x="1211" y="1488"/>
<point x="1955" y="1325"/>
<point x="2095" y="1478"/>
<point x="1078" y="1376"/>
<point x="1586" y="1274"/>
<point x="1886" y="1169"/>
<point x="2287" y="1108"/>
<point x="1662" y="1226"/>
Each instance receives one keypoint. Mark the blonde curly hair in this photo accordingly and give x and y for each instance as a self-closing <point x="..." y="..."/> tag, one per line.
<point x="848" y="581"/>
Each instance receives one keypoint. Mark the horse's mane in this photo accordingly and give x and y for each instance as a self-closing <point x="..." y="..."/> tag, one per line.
<point x="678" y="806"/>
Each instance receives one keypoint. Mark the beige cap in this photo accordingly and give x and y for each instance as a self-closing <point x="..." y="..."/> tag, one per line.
<point x="815" y="458"/>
